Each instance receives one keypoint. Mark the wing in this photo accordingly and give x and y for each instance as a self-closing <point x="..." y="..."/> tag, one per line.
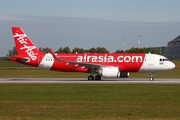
<point x="85" y="65"/>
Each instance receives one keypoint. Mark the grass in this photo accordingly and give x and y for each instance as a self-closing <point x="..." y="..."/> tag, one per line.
<point x="6" y="63"/>
<point x="89" y="102"/>
<point x="15" y="70"/>
<point x="37" y="73"/>
<point x="86" y="101"/>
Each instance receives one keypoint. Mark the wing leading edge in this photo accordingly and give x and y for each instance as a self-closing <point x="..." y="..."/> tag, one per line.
<point x="84" y="65"/>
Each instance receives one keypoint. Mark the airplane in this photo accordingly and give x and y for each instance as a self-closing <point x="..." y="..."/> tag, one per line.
<point x="110" y="65"/>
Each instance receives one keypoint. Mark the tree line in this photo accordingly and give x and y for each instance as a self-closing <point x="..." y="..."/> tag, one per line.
<point x="91" y="50"/>
<point x="77" y="50"/>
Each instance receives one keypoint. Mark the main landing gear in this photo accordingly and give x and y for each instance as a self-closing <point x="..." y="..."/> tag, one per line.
<point x="151" y="78"/>
<point x="91" y="77"/>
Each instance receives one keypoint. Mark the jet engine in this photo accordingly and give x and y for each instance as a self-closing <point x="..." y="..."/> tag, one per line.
<point x="112" y="72"/>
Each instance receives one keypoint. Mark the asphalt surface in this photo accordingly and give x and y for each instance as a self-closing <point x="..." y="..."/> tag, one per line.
<point x="85" y="81"/>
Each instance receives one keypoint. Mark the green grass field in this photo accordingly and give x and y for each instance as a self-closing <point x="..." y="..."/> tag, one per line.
<point x="15" y="70"/>
<point x="89" y="102"/>
<point x="86" y="101"/>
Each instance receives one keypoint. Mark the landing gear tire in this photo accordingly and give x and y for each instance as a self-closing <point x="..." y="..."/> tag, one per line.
<point x="97" y="77"/>
<point x="151" y="79"/>
<point x="90" y="77"/>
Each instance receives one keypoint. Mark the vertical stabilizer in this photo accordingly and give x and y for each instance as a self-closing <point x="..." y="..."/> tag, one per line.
<point x="24" y="45"/>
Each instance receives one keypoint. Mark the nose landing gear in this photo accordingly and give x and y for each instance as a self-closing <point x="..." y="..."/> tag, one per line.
<point x="151" y="78"/>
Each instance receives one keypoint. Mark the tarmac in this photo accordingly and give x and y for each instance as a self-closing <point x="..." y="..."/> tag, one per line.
<point x="85" y="81"/>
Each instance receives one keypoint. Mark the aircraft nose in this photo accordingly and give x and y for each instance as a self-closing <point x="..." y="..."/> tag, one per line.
<point x="171" y="65"/>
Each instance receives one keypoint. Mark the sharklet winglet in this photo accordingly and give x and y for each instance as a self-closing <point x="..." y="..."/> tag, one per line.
<point x="53" y="54"/>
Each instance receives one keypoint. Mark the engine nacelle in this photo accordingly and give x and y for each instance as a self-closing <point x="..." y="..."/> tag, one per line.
<point x="112" y="72"/>
<point x="109" y="72"/>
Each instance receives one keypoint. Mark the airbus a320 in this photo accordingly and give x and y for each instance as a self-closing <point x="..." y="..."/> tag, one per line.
<point x="109" y="65"/>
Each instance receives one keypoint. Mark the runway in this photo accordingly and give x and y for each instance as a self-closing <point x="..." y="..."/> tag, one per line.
<point x="85" y="81"/>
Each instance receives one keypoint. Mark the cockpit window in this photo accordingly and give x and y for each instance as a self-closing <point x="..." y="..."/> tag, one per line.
<point x="163" y="59"/>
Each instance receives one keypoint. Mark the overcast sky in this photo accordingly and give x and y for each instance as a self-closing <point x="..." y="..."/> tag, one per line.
<point x="90" y="23"/>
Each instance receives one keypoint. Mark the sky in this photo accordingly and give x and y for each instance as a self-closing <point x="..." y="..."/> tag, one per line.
<point x="90" y="23"/>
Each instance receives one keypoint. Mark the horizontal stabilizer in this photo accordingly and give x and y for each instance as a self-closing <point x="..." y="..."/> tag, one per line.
<point x="21" y="59"/>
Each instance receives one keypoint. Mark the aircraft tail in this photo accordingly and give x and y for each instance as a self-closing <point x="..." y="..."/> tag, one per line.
<point x="24" y="45"/>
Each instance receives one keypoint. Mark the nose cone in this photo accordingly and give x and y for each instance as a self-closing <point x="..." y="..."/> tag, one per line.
<point x="171" y="65"/>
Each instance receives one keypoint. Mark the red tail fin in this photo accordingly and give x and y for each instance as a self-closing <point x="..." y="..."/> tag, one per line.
<point x="24" y="45"/>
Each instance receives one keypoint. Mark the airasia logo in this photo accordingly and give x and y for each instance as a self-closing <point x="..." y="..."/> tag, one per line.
<point x="109" y="58"/>
<point x="28" y="49"/>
